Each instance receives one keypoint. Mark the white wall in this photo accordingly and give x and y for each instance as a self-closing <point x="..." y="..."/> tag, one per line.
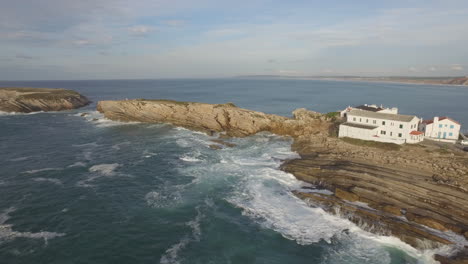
<point x="392" y="128"/>
<point x="366" y="134"/>
<point x="447" y="126"/>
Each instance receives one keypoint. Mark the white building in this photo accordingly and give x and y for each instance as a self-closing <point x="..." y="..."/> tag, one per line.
<point x="382" y="127"/>
<point x="371" y="108"/>
<point x="441" y="129"/>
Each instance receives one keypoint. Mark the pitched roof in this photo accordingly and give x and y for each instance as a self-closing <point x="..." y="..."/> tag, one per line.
<point x="359" y="126"/>
<point x="395" y="117"/>
<point x="427" y="122"/>
<point x="416" y="133"/>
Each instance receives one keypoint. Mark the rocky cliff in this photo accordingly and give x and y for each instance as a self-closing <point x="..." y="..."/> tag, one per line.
<point x="226" y="118"/>
<point x="418" y="193"/>
<point x="25" y="100"/>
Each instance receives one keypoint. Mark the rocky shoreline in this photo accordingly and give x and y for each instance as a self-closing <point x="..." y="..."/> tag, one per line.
<point x="26" y="100"/>
<point x="418" y="193"/>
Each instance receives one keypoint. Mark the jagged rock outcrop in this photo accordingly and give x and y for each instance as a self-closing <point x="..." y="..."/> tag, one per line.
<point x="227" y="118"/>
<point x="26" y="100"/>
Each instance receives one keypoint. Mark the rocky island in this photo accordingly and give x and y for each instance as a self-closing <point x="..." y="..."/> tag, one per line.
<point x="26" y="100"/>
<point x="418" y="193"/>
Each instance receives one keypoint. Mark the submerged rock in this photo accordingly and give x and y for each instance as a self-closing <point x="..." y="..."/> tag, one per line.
<point x="26" y="100"/>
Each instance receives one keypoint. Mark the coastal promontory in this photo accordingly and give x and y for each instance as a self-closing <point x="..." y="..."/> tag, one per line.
<point x="418" y="193"/>
<point x="26" y="100"/>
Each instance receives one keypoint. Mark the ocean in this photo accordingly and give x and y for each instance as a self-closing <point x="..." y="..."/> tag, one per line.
<point x="83" y="189"/>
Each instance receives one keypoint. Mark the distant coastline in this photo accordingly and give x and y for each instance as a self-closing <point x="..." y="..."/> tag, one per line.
<point x="457" y="80"/>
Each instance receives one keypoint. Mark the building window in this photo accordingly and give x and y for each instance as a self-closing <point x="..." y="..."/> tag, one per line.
<point x="399" y="134"/>
<point x="445" y="125"/>
<point x="451" y="126"/>
<point x="401" y="126"/>
<point x="383" y="122"/>
<point x="354" y="119"/>
<point x="367" y="120"/>
<point x="451" y="134"/>
<point x="360" y="119"/>
<point x="383" y="132"/>
<point x="375" y="122"/>
<point x="440" y="125"/>
<point x="391" y="133"/>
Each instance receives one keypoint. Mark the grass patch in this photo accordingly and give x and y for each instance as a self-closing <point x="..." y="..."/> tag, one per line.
<point x="372" y="144"/>
<point x="332" y="114"/>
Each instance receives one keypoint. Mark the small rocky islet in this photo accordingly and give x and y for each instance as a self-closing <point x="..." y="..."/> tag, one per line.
<point x="27" y="100"/>
<point x="417" y="193"/>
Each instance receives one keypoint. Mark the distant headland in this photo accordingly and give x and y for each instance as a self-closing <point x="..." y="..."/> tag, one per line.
<point x="447" y="80"/>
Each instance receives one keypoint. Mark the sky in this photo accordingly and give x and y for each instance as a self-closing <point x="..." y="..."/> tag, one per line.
<point x="117" y="39"/>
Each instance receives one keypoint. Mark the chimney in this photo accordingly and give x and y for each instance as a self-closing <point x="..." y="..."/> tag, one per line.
<point x="436" y="119"/>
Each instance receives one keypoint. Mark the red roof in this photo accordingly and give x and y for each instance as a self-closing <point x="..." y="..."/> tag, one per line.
<point x="416" y="133"/>
<point x="427" y="122"/>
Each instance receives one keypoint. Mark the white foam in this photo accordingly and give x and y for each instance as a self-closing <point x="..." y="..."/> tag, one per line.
<point x="190" y="159"/>
<point x="193" y="156"/>
<point x="2" y="113"/>
<point x="148" y="154"/>
<point x="51" y="180"/>
<point x="99" y="120"/>
<point x="105" y="169"/>
<point x="117" y="146"/>
<point x="20" y="158"/>
<point x="264" y="193"/>
<point x="77" y="164"/>
<point x="7" y="233"/>
<point x="321" y="191"/>
<point x="171" y="256"/>
<point x="86" y="145"/>
<point x="42" y="170"/>
<point x="98" y="171"/>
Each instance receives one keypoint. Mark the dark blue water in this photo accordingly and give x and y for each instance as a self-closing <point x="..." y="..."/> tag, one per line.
<point x="79" y="189"/>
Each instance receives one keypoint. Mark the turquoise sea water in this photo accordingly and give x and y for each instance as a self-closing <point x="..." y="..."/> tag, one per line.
<point x="74" y="190"/>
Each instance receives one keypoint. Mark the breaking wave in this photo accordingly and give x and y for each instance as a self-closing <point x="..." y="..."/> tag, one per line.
<point x="42" y="170"/>
<point x="7" y="233"/>
<point x="264" y="193"/>
<point x="99" y="120"/>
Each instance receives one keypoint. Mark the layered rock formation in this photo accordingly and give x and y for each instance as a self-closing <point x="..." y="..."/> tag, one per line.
<point x="418" y="193"/>
<point x="227" y="118"/>
<point x="25" y="100"/>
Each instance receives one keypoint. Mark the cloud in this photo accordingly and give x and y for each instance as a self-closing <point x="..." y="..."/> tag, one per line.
<point x="226" y="32"/>
<point x="25" y="57"/>
<point x="141" y="29"/>
<point x="413" y="69"/>
<point x="81" y="42"/>
<point x="456" y="67"/>
<point x="174" y="23"/>
<point x="432" y="69"/>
